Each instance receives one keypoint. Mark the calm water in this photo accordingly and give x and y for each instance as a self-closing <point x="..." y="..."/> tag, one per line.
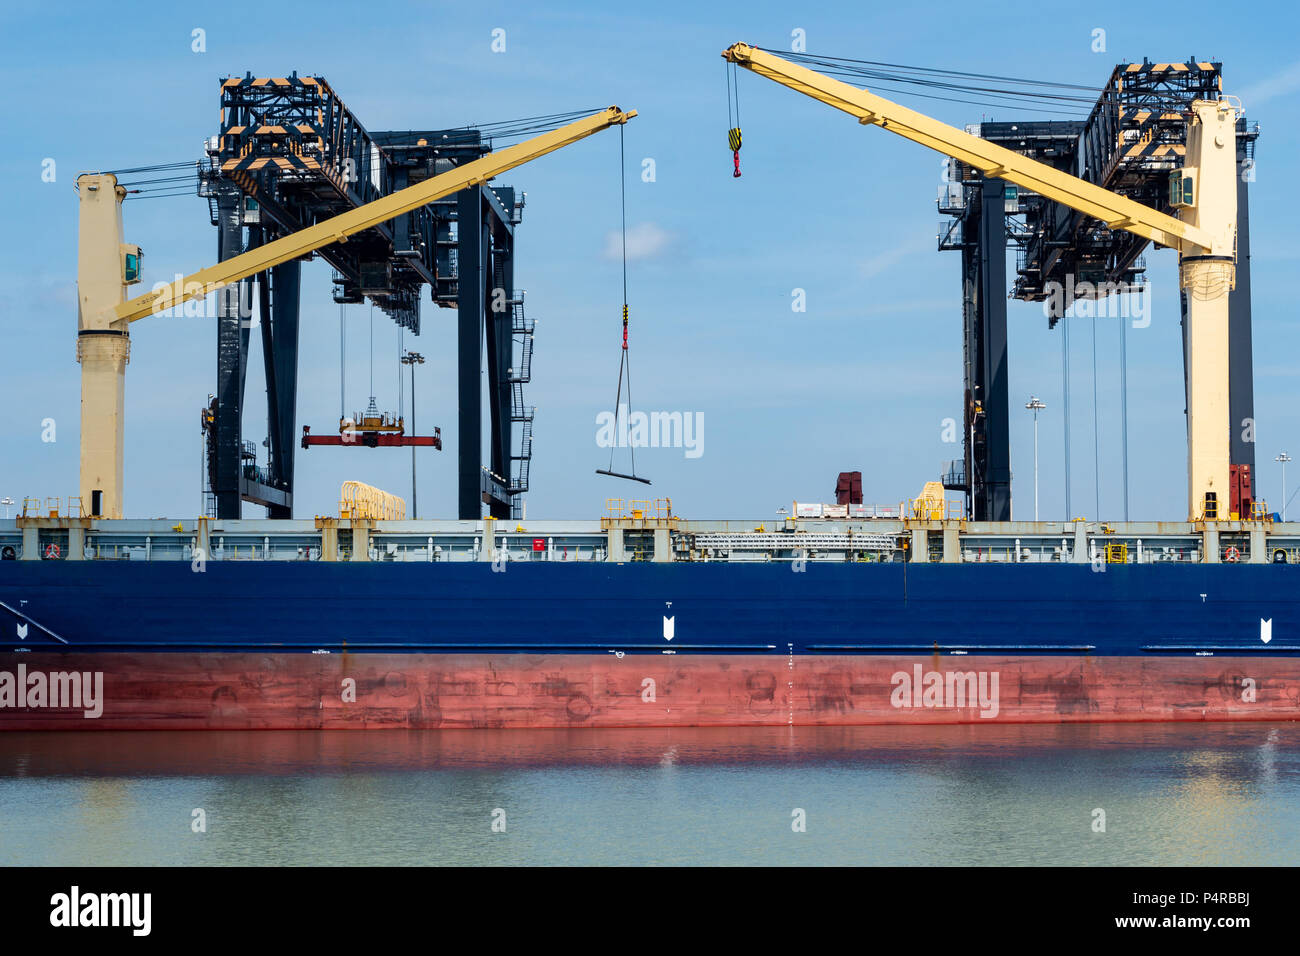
<point x="1172" y="794"/>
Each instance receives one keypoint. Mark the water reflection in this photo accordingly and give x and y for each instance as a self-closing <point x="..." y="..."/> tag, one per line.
<point x="1171" y="793"/>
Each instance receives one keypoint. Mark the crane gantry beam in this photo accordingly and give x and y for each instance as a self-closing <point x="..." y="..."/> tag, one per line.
<point x="106" y="265"/>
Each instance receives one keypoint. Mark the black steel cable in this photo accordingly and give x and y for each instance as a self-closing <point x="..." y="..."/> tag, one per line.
<point x="1019" y="97"/>
<point x="627" y="358"/>
<point x="559" y="118"/>
<point x="512" y="129"/>
<point x="159" y="195"/>
<point x="1287" y="504"/>
<point x="1096" y="426"/>
<point x="152" y="169"/>
<point x="622" y="188"/>
<point x="735" y="82"/>
<point x="985" y="104"/>
<point x="631" y="445"/>
<point x="893" y="77"/>
<point x="1123" y="404"/>
<point x="618" y="397"/>
<point x="726" y="79"/>
<point x="1065" y="407"/>
<point x="1027" y="95"/>
<point x="845" y="68"/>
<point x="624" y="362"/>
<point x="193" y="177"/>
<point x="808" y="57"/>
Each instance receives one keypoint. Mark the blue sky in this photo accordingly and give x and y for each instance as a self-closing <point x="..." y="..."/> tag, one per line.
<point x="862" y="380"/>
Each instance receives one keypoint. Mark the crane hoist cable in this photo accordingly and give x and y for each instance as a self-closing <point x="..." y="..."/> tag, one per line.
<point x="624" y="362"/>
<point x="365" y="424"/>
<point x="733" y="122"/>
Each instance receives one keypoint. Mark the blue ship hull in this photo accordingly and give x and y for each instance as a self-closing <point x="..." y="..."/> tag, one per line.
<point x="316" y="645"/>
<point x="588" y="607"/>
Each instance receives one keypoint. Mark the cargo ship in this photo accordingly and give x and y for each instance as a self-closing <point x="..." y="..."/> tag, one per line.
<point x="930" y="611"/>
<point x="643" y="619"/>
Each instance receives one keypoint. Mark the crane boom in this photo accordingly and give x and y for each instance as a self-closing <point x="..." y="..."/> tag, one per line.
<point x="338" y="228"/>
<point x="1118" y="212"/>
<point x="106" y="266"/>
<point x="1205" y="235"/>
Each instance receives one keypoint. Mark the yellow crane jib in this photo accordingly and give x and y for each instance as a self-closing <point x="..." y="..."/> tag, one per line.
<point x="106" y="265"/>
<point x="338" y="228"/>
<point x="1204" y="232"/>
<point x="1116" y="211"/>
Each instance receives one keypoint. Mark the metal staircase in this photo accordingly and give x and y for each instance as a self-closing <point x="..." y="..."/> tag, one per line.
<point x="520" y="372"/>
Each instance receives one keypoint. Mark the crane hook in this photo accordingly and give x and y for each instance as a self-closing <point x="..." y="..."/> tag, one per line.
<point x="733" y="140"/>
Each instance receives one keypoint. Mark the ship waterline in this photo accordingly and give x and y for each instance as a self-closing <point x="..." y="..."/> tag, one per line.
<point x="297" y="691"/>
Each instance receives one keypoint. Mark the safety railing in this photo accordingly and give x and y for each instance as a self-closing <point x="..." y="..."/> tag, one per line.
<point x="1259" y="511"/>
<point x="933" y="509"/>
<point x="55" y="507"/>
<point x="639" y="508"/>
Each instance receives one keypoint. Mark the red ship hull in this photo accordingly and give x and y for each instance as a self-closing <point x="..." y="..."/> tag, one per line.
<point x="283" y="691"/>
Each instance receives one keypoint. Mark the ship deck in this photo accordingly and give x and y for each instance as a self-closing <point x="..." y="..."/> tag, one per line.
<point x="650" y="538"/>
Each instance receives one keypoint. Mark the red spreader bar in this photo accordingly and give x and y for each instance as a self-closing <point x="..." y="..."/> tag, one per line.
<point x="363" y="439"/>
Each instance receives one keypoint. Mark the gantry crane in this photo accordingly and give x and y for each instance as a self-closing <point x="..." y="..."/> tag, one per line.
<point x="106" y="266"/>
<point x="1204" y="191"/>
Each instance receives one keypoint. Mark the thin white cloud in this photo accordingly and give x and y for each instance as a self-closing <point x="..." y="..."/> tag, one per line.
<point x="911" y="305"/>
<point x="884" y="261"/>
<point x="644" y="241"/>
<point x="1279" y="84"/>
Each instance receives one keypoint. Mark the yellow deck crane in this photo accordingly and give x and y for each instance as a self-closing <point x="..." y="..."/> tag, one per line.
<point x="1204" y="192"/>
<point x="106" y="265"/>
